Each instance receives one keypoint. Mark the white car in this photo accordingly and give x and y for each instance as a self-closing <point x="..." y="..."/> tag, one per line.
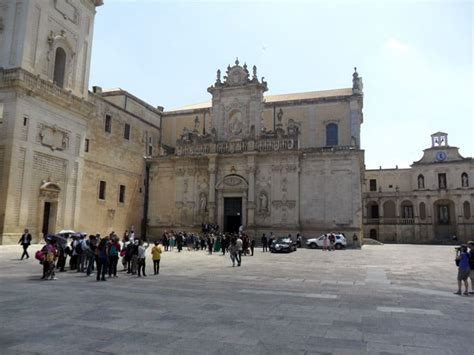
<point x="318" y="242"/>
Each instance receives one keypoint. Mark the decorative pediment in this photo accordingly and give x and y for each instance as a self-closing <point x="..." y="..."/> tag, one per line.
<point x="49" y="190"/>
<point x="232" y="182"/>
<point x="238" y="75"/>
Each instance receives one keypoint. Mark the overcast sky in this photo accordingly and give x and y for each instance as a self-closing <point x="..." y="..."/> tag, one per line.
<point x="415" y="58"/>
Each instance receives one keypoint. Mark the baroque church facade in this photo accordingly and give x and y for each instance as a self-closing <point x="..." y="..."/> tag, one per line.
<point x="71" y="158"/>
<point x="285" y="163"/>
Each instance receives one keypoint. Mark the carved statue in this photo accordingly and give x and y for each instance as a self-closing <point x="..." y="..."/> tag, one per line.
<point x="218" y="80"/>
<point x="464" y="180"/>
<point x="263" y="201"/>
<point x="202" y="202"/>
<point x="421" y="182"/>
<point x="196" y="123"/>
<point x="235" y="123"/>
<point x="254" y="69"/>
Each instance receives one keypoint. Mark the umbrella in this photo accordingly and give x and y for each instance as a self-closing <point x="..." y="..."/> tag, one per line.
<point x="59" y="239"/>
<point x="67" y="231"/>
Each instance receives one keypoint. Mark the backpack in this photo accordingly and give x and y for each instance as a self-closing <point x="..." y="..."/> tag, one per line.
<point x="113" y="250"/>
<point x="39" y="255"/>
<point x="78" y="248"/>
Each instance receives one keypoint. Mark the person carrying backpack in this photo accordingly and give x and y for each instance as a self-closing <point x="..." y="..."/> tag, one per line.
<point x="462" y="261"/>
<point x="113" y="251"/>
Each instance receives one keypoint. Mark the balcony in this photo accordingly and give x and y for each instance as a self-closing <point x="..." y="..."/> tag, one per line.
<point x="405" y="221"/>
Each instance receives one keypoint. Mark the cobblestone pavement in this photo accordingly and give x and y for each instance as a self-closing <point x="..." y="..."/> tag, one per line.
<point x="391" y="299"/>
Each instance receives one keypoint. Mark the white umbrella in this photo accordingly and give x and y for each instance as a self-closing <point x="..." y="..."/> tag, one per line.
<point x="66" y="231"/>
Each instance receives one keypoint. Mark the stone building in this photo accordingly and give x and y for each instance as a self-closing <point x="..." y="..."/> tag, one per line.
<point x="283" y="163"/>
<point x="429" y="202"/>
<point x="69" y="158"/>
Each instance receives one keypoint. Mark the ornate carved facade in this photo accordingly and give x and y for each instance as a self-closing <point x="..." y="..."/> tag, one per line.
<point x="233" y="163"/>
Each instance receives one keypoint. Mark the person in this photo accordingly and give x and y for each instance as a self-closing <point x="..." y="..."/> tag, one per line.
<point x="355" y="241"/>
<point x="91" y="253"/>
<point x="25" y="242"/>
<point x="142" y="247"/>
<point x="470" y="244"/>
<point x="156" y="256"/>
<point x="101" y="259"/>
<point x="252" y="246"/>
<point x="113" y="252"/>
<point x="233" y="251"/>
<point x="179" y="242"/>
<point x="239" y="246"/>
<point x="299" y="240"/>
<point x="134" y="256"/>
<point x="264" y="243"/>
<point x="332" y="241"/>
<point x="325" y="242"/>
<point x="172" y="242"/>
<point x="218" y="244"/>
<point x="50" y="258"/>
<point x="79" y="249"/>
<point x="462" y="261"/>
<point x="210" y="243"/>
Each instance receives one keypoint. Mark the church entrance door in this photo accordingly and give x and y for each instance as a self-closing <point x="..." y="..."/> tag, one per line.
<point x="232" y="214"/>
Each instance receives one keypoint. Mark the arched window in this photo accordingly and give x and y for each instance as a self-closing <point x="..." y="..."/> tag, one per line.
<point x="464" y="180"/>
<point x="422" y="210"/>
<point x="59" y="67"/>
<point x="331" y="134"/>
<point x="467" y="209"/>
<point x="373" y="210"/>
<point x="421" y="181"/>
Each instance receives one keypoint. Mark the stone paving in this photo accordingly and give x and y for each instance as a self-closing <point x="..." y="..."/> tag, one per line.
<point x="391" y="299"/>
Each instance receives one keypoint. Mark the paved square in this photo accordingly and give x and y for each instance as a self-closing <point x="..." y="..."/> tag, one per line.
<point x="391" y="299"/>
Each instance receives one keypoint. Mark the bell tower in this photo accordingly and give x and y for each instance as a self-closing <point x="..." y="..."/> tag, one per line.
<point x="51" y="39"/>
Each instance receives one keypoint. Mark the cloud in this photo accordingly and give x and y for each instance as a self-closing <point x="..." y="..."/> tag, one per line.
<point x="396" y="46"/>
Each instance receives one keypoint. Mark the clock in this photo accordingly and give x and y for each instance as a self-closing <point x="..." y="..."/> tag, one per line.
<point x="441" y="156"/>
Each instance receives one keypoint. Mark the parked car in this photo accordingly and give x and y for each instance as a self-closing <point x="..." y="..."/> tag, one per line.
<point x="318" y="242"/>
<point x="283" y="245"/>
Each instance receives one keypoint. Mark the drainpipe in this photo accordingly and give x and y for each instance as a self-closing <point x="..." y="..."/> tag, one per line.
<point x="274" y="117"/>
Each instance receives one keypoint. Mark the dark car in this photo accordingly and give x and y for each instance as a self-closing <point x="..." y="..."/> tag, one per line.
<point x="283" y="245"/>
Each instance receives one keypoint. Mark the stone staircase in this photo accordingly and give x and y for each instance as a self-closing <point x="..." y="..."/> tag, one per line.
<point x="370" y="241"/>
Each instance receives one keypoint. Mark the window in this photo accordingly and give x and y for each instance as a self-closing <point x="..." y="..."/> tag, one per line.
<point x="126" y="131"/>
<point x="331" y="134"/>
<point x="407" y="211"/>
<point x="421" y="181"/>
<point x="108" y="123"/>
<point x="122" y="194"/>
<point x="25" y="121"/>
<point x="464" y="180"/>
<point x="59" y="67"/>
<point x="442" y="181"/>
<point x="102" y="186"/>
<point x="86" y="145"/>
<point x="422" y="210"/>
<point x="373" y="184"/>
<point x="1" y="112"/>
<point x="150" y="150"/>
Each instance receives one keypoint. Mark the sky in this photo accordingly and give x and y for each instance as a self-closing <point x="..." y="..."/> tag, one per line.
<point x="415" y="58"/>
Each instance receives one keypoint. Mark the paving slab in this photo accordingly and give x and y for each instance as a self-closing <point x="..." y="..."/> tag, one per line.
<point x="378" y="300"/>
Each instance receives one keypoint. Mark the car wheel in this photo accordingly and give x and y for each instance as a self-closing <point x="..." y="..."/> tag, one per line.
<point x="313" y="246"/>
<point x="338" y="246"/>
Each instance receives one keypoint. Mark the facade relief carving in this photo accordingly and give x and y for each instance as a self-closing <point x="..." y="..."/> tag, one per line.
<point x="53" y="137"/>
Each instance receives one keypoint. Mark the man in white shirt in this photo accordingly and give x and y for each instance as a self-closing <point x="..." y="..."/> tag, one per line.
<point x="239" y="246"/>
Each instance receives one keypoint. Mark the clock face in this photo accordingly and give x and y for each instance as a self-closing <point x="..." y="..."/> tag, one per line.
<point x="441" y="156"/>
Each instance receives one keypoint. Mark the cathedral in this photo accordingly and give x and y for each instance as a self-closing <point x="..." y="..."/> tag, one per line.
<point x="104" y="160"/>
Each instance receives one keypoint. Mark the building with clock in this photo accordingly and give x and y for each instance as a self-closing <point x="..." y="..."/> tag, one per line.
<point x="429" y="202"/>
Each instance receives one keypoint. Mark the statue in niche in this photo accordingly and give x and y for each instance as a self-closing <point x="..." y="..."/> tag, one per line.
<point x="202" y="203"/>
<point x="464" y="180"/>
<point x="235" y="123"/>
<point x="263" y="201"/>
<point x="421" y="182"/>
<point x="196" y="124"/>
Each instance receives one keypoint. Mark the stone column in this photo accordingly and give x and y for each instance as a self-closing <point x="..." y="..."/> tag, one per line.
<point x="244" y="208"/>
<point x="212" y="189"/>
<point x="251" y="192"/>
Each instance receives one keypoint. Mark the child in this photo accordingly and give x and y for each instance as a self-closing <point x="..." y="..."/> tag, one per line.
<point x="462" y="261"/>
<point x="156" y="256"/>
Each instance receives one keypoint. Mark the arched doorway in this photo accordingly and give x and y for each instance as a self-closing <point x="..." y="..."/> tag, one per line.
<point x="48" y="207"/>
<point x="232" y="202"/>
<point x="444" y="219"/>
